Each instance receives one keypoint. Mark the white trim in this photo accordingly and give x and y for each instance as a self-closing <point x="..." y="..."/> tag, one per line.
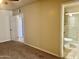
<point x="38" y="48"/>
<point x="4" y="41"/>
<point x="62" y="31"/>
<point x="42" y="50"/>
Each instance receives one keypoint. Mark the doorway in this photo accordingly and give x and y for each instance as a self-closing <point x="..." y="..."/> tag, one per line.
<point x="70" y="30"/>
<point x="17" y="26"/>
<point x="20" y="27"/>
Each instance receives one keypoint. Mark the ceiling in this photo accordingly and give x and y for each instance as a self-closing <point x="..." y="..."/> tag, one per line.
<point x="13" y="5"/>
<point x="9" y="5"/>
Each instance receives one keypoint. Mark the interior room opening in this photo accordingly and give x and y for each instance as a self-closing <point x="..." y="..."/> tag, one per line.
<point x="71" y="31"/>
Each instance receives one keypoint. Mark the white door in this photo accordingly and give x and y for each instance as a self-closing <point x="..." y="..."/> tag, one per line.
<point x="4" y="26"/>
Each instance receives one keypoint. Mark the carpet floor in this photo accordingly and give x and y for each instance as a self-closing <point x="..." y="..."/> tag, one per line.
<point x="17" y="50"/>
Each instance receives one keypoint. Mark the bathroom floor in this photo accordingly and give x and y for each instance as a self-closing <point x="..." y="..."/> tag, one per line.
<point x="73" y="54"/>
<point x="17" y="50"/>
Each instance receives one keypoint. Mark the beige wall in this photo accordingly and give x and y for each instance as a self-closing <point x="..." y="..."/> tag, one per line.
<point x="42" y="25"/>
<point x="32" y="23"/>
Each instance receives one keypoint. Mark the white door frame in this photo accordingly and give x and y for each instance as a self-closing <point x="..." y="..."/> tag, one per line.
<point x="62" y="24"/>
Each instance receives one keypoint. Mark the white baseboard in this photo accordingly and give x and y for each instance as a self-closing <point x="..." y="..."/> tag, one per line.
<point x="5" y="41"/>
<point x="42" y="50"/>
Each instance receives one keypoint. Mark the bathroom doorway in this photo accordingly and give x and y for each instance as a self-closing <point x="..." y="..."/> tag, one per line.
<point x="70" y="30"/>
